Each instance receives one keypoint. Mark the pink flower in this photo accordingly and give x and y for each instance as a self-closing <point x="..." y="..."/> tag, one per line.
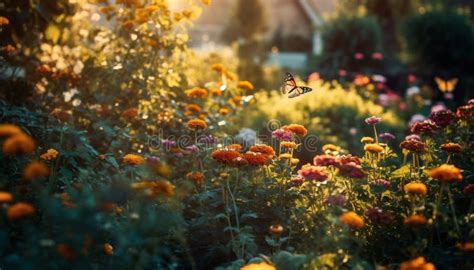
<point x="310" y="172"/>
<point x="411" y="78"/>
<point x="325" y="160"/>
<point x="314" y="76"/>
<point x="358" y="56"/>
<point x="342" y="72"/>
<point x="373" y="120"/>
<point x="283" y="135"/>
<point x="377" y="56"/>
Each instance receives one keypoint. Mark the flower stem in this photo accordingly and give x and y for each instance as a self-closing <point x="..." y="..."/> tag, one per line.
<point x="451" y="204"/>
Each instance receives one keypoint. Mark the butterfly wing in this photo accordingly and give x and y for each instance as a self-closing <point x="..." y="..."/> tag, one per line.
<point x="300" y="90"/>
<point x="442" y="84"/>
<point x="289" y="84"/>
<point x="451" y="84"/>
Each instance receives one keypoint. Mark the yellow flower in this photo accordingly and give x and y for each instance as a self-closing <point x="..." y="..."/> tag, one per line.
<point x="132" y="159"/>
<point x="373" y="148"/>
<point x="50" y="154"/>
<point x="352" y="220"/>
<point x="196" y="92"/>
<point x="416" y="188"/>
<point x="295" y="161"/>
<point x="7" y="130"/>
<point x="446" y="173"/>
<point x="330" y="147"/>
<point x="197" y="124"/>
<point x="18" y="144"/>
<point x="20" y="210"/>
<point x="258" y="266"/>
<point x="288" y="145"/>
<point x="367" y="140"/>
<point x="35" y="169"/>
<point x="206" y="2"/>
<point x="224" y="111"/>
<point x="285" y="156"/>
<point x="4" y="21"/>
<point x="245" y="85"/>
<point x="218" y="67"/>
<point x="418" y="263"/>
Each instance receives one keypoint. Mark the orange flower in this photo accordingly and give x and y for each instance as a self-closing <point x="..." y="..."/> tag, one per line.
<point x="130" y="113"/>
<point x="468" y="247"/>
<point x="225" y="156"/>
<point x="288" y="145"/>
<point x="276" y="229"/>
<point x="297" y="129"/>
<point x="451" y="147"/>
<point x="295" y="161"/>
<point x="18" y="144"/>
<point x="416" y="188"/>
<point x="216" y="92"/>
<point x="446" y="173"/>
<point x="66" y="251"/>
<point x="285" y="156"/>
<point x="258" y="266"/>
<point x="196" y="92"/>
<point x="234" y="146"/>
<point x="373" y="148"/>
<point x="35" y="169"/>
<point x="367" y="140"/>
<point x="264" y="149"/>
<point x="20" y="210"/>
<point x="412" y="145"/>
<point x="193" y="108"/>
<point x="206" y="2"/>
<point x="50" y="154"/>
<point x="128" y="24"/>
<point x="415" y="220"/>
<point x="4" y="21"/>
<point x="255" y="158"/>
<point x="5" y="197"/>
<point x="196" y="177"/>
<point x="132" y="159"/>
<point x="66" y="200"/>
<point x="418" y="263"/>
<point x="352" y="220"/>
<point x="245" y="85"/>
<point x="155" y="187"/>
<point x="217" y="67"/>
<point x="197" y="124"/>
<point x="330" y="147"/>
<point x="7" y="130"/>
<point x="224" y="111"/>
<point x="108" y="249"/>
<point x="230" y="75"/>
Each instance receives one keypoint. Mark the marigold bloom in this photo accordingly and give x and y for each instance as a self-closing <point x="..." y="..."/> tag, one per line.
<point x="330" y="147"/>
<point x="310" y="172"/>
<point x="288" y="145"/>
<point x="373" y="148"/>
<point x="468" y="247"/>
<point x="451" y="147"/>
<point x="193" y="108"/>
<point x="35" y="169"/>
<point x="230" y="75"/>
<point x="132" y="159"/>
<point x="196" y="92"/>
<point x="255" y="158"/>
<point x="234" y="146"/>
<point x="285" y="156"/>
<point x="196" y="177"/>
<point x="297" y="129"/>
<point x="295" y="161"/>
<point x="20" y="210"/>
<point x="367" y="140"/>
<point x="4" y="21"/>
<point x="7" y="130"/>
<point x="258" y="266"/>
<point x="418" y="263"/>
<point x="416" y="188"/>
<point x="5" y="197"/>
<point x="413" y="145"/>
<point x="245" y="85"/>
<point x="446" y="173"/>
<point x="352" y="220"/>
<point x="276" y="229"/>
<point x="224" y="111"/>
<point x="415" y="220"/>
<point x="50" y="154"/>
<point x="225" y="156"/>
<point x="19" y="144"/>
<point x="108" y="249"/>
<point x="217" y="67"/>
<point x="264" y="149"/>
<point x="197" y="124"/>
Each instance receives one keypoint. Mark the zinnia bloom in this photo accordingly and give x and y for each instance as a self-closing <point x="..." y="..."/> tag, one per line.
<point x="330" y="147"/>
<point x="413" y="145"/>
<point x="325" y="160"/>
<point x="108" y="249"/>
<point x="373" y="120"/>
<point x="382" y="182"/>
<point x="446" y="173"/>
<point x="297" y="129"/>
<point x="255" y="158"/>
<point x="451" y="147"/>
<point x="465" y="112"/>
<point x="264" y="149"/>
<point x="352" y="220"/>
<point x="19" y="144"/>
<point x="415" y="220"/>
<point x="418" y="263"/>
<point x="132" y="159"/>
<point x="416" y="188"/>
<point x="225" y="156"/>
<point x="34" y="170"/>
<point x="310" y="172"/>
<point x="5" y="197"/>
<point x="217" y="67"/>
<point x="295" y="161"/>
<point x="4" y="21"/>
<point x="20" y="210"/>
<point x="50" y="154"/>
<point x="197" y="124"/>
<point x="285" y="156"/>
<point x="413" y="137"/>
<point x="373" y="148"/>
<point x="234" y="146"/>
<point x="424" y="127"/>
<point x="282" y="134"/>
<point x="288" y="145"/>
<point x="7" y="130"/>
<point x="258" y="266"/>
<point x="193" y="108"/>
<point x="196" y="177"/>
<point x="442" y="118"/>
<point x="196" y="92"/>
<point x="245" y="85"/>
<point x="224" y="111"/>
<point x="387" y="136"/>
<point x="367" y="140"/>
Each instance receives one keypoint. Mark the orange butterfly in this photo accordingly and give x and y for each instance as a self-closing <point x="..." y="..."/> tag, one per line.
<point x="446" y="86"/>
<point x="289" y="87"/>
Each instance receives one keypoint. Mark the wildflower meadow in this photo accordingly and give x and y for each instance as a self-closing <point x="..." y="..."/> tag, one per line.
<point x="125" y="147"/>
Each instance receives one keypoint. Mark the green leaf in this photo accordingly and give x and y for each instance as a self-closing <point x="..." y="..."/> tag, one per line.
<point x="401" y="172"/>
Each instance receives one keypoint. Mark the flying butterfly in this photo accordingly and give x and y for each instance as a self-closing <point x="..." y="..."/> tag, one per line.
<point x="289" y="87"/>
<point x="446" y="86"/>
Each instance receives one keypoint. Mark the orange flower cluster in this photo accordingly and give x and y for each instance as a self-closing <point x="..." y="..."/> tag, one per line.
<point x="197" y="124"/>
<point x="155" y="188"/>
<point x="245" y="85"/>
<point x="415" y="220"/>
<point x="225" y="156"/>
<point x="19" y="144"/>
<point x="196" y="92"/>
<point x="5" y="197"/>
<point x="50" y="154"/>
<point x="352" y="220"/>
<point x="373" y="148"/>
<point x="196" y="177"/>
<point x="416" y="188"/>
<point x="193" y="108"/>
<point x="263" y="149"/>
<point x="288" y="145"/>
<point x="255" y="158"/>
<point x="297" y="129"/>
<point x="418" y="263"/>
<point x="20" y="210"/>
<point x="132" y="159"/>
<point x="446" y="173"/>
<point x="34" y="170"/>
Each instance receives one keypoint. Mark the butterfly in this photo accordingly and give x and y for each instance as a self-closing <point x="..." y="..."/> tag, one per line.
<point x="446" y="86"/>
<point x="289" y="87"/>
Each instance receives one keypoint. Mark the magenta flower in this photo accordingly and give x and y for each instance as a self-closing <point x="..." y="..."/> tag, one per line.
<point x="413" y="137"/>
<point x="373" y="120"/>
<point x="168" y="143"/>
<point x="424" y="127"/>
<point x="283" y="135"/>
<point x="352" y="170"/>
<point x="387" y="136"/>
<point x="325" y="160"/>
<point x="358" y="56"/>
<point x="191" y="149"/>
<point x="468" y="190"/>
<point x="382" y="182"/>
<point x="336" y="200"/>
<point x="442" y="118"/>
<point x="377" y="56"/>
<point x="376" y="215"/>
